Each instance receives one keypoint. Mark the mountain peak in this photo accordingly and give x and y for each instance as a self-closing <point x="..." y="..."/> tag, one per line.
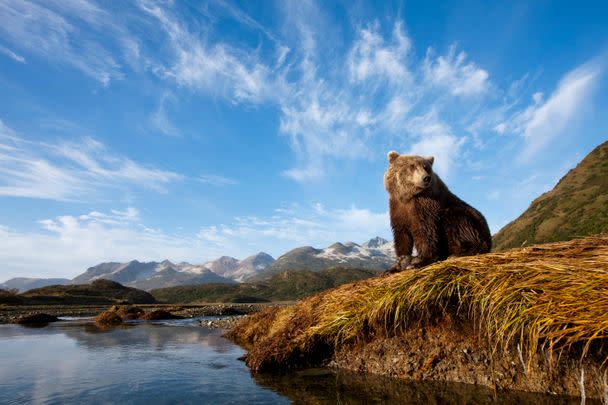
<point x="376" y="254"/>
<point x="375" y="243"/>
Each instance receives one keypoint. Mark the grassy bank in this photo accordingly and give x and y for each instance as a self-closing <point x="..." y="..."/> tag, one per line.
<point x="550" y="298"/>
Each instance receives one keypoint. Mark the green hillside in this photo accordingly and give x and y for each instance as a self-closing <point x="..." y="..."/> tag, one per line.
<point x="577" y="206"/>
<point x="285" y="286"/>
<point x="98" y="292"/>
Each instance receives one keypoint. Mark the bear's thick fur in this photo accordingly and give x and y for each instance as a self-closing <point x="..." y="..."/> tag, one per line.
<point x="425" y="214"/>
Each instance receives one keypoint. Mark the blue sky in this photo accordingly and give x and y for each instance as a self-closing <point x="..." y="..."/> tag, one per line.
<point x="190" y="130"/>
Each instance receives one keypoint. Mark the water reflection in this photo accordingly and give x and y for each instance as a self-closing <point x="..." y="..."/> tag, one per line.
<point x="180" y="362"/>
<point x="75" y="362"/>
<point x="322" y="386"/>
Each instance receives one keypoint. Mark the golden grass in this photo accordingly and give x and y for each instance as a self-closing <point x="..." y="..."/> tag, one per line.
<point x="550" y="296"/>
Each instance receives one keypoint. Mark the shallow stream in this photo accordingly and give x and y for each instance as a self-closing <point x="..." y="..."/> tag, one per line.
<point x="180" y="362"/>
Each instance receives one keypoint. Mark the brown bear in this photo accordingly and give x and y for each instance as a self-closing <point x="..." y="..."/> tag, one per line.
<point x="426" y="215"/>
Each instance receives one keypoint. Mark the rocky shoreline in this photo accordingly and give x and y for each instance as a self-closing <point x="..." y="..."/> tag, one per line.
<point x="10" y="314"/>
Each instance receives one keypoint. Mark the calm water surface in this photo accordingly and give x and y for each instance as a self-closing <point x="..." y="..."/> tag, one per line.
<point x="180" y="362"/>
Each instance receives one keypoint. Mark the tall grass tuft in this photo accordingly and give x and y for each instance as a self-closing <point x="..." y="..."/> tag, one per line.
<point x="550" y="297"/>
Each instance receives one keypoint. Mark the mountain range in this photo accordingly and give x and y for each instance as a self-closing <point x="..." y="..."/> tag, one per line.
<point x="375" y="254"/>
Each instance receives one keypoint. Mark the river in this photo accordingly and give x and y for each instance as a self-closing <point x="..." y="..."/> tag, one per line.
<point x="179" y="362"/>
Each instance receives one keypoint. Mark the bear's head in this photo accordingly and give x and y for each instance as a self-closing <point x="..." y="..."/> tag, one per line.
<point x="408" y="175"/>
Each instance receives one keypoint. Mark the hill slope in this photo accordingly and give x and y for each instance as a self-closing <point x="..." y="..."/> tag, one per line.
<point x="98" y="292"/>
<point x="285" y="286"/>
<point x="375" y="254"/>
<point x="577" y="206"/>
<point x="23" y="283"/>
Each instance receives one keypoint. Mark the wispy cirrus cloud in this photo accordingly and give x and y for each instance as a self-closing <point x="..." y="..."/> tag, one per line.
<point x="373" y="94"/>
<point x="70" y="171"/>
<point x="160" y="119"/>
<point x="217" y="68"/>
<point x="547" y="119"/>
<point x="68" y="32"/>
<point x="215" y="180"/>
<point x="374" y="56"/>
<point x="388" y="100"/>
<point x="295" y="225"/>
<point x="13" y="55"/>
<point x="453" y="72"/>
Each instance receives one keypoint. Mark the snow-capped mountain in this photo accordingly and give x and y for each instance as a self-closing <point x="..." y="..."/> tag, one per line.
<point x="250" y="266"/>
<point x="223" y="266"/>
<point x="152" y="275"/>
<point x="375" y="254"/>
<point x="239" y="270"/>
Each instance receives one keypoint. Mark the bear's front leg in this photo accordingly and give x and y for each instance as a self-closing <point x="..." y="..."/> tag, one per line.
<point x="417" y="262"/>
<point x="427" y="244"/>
<point x="402" y="263"/>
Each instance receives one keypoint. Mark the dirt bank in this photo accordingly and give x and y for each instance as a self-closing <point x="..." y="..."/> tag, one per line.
<point x="532" y="319"/>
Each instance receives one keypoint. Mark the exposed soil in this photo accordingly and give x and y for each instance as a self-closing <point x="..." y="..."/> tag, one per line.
<point x="453" y="352"/>
<point x="461" y="320"/>
<point x="450" y="351"/>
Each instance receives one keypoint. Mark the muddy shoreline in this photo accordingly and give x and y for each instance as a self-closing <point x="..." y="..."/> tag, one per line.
<point x="10" y="313"/>
<point x="455" y="352"/>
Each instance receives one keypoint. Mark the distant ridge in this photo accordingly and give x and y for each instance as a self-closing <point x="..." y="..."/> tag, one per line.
<point x="375" y="254"/>
<point x="22" y="284"/>
<point x="150" y="275"/>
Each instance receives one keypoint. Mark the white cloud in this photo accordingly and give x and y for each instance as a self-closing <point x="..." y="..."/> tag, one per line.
<point x="67" y="245"/>
<point x="380" y="106"/>
<point x="351" y="106"/>
<point x="371" y="56"/>
<point x="67" y="32"/>
<point x="295" y="226"/>
<point x="215" y="180"/>
<point x="216" y="68"/>
<point x="435" y="139"/>
<point x="160" y="119"/>
<point x="69" y="170"/>
<point x="543" y="121"/>
<point x="14" y="56"/>
<point x="454" y="73"/>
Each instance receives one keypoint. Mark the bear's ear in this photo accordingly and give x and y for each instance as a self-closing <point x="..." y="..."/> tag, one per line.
<point x="392" y="155"/>
<point x="430" y="159"/>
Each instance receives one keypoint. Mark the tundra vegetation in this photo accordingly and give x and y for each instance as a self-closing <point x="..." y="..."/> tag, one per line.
<point x="537" y="318"/>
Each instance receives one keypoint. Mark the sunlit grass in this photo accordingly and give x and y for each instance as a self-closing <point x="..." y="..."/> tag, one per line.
<point x="550" y="296"/>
